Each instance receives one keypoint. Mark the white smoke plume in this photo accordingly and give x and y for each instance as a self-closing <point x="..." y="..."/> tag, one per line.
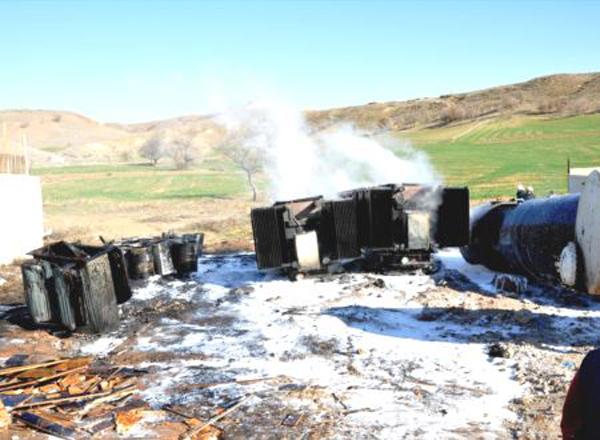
<point x="301" y="163"/>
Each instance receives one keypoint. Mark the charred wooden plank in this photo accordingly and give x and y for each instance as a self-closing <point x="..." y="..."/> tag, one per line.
<point x="44" y="425"/>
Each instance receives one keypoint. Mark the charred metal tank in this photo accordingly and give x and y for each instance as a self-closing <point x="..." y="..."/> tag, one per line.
<point x="168" y="254"/>
<point x="388" y="225"/>
<point x="552" y="239"/>
<point x="76" y="286"/>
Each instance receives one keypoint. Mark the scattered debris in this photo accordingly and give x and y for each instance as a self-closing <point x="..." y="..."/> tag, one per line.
<point x="126" y="420"/>
<point x="5" y="419"/>
<point x="497" y="350"/>
<point x="65" y="397"/>
<point x="291" y="420"/>
<point x="511" y="284"/>
<point x="199" y="428"/>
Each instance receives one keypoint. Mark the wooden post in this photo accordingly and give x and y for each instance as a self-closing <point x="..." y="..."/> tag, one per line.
<point x="25" y="152"/>
<point x="568" y="173"/>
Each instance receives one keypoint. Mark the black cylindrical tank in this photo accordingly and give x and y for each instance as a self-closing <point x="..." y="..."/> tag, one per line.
<point x="185" y="251"/>
<point x="534" y="233"/>
<point x="523" y="237"/>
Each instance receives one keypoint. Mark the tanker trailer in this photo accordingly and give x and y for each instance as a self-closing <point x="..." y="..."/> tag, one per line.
<point x="554" y="239"/>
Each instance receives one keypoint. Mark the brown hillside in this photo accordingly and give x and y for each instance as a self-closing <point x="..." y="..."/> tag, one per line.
<point x="556" y="95"/>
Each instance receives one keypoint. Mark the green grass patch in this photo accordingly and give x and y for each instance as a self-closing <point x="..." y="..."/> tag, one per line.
<point x="493" y="157"/>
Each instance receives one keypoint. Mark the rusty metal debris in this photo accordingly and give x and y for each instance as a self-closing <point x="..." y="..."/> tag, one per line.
<point x="76" y="286"/>
<point x="508" y="283"/>
<point x="291" y="420"/>
<point x="554" y="239"/>
<point x="388" y="225"/>
<point x="67" y="398"/>
<point x="199" y="428"/>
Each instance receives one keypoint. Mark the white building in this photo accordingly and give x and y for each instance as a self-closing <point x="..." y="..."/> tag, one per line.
<point x="21" y="215"/>
<point x="577" y="177"/>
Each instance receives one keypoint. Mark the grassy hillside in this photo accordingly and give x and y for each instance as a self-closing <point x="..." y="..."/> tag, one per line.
<point x="493" y="156"/>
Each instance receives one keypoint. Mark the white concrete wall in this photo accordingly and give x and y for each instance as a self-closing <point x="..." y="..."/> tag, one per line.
<point x="21" y="215"/>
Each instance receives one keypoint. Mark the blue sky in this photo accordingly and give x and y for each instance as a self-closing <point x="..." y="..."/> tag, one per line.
<point x="141" y="60"/>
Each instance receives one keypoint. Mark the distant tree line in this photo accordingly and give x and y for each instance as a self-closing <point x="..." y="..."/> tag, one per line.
<point x="182" y="149"/>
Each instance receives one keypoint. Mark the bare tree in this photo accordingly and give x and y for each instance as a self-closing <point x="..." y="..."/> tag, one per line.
<point x="153" y="149"/>
<point x="183" y="151"/>
<point x="248" y="157"/>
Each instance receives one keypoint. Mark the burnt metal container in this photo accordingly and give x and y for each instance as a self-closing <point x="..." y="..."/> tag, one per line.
<point x="140" y="262"/>
<point x="186" y="249"/>
<point x="76" y="286"/>
<point x="168" y="254"/>
<point x="401" y="223"/>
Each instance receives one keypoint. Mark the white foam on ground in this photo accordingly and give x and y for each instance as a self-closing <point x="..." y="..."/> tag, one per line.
<point x="102" y="346"/>
<point x="478" y="274"/>
<point x="396" y="374"/>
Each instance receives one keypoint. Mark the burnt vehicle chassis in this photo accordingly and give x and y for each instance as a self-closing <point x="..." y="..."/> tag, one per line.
<point x="387" y="226"/>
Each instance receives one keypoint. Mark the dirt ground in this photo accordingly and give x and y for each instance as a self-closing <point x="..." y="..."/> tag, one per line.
<point x="225" y="221"/>
<point x="538" y="339"/>
<point x="542" y="334"/>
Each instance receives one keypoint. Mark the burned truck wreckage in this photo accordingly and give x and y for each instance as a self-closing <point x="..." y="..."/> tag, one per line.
<point x="383" y="226"/>
<point x="554" y="239"/>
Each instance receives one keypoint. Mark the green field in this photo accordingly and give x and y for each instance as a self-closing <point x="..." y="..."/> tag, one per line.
<point x="490" y="157"/>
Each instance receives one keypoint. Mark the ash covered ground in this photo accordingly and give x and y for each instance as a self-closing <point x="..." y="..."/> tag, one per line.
<point x="384" y="356"/>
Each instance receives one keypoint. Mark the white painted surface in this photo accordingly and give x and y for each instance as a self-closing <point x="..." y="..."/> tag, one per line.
<point x="418" y="229"/>
<point x="577" y="178"/>
<point x="587" y="230"/>
<point x="567" y="265"/>
<point x="21" y="215"/>
<point x="307" y="250"/>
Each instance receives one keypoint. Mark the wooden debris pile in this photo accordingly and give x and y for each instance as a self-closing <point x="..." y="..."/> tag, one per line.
<point x="70" y="398"/>
<point x="74" y="398"/>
